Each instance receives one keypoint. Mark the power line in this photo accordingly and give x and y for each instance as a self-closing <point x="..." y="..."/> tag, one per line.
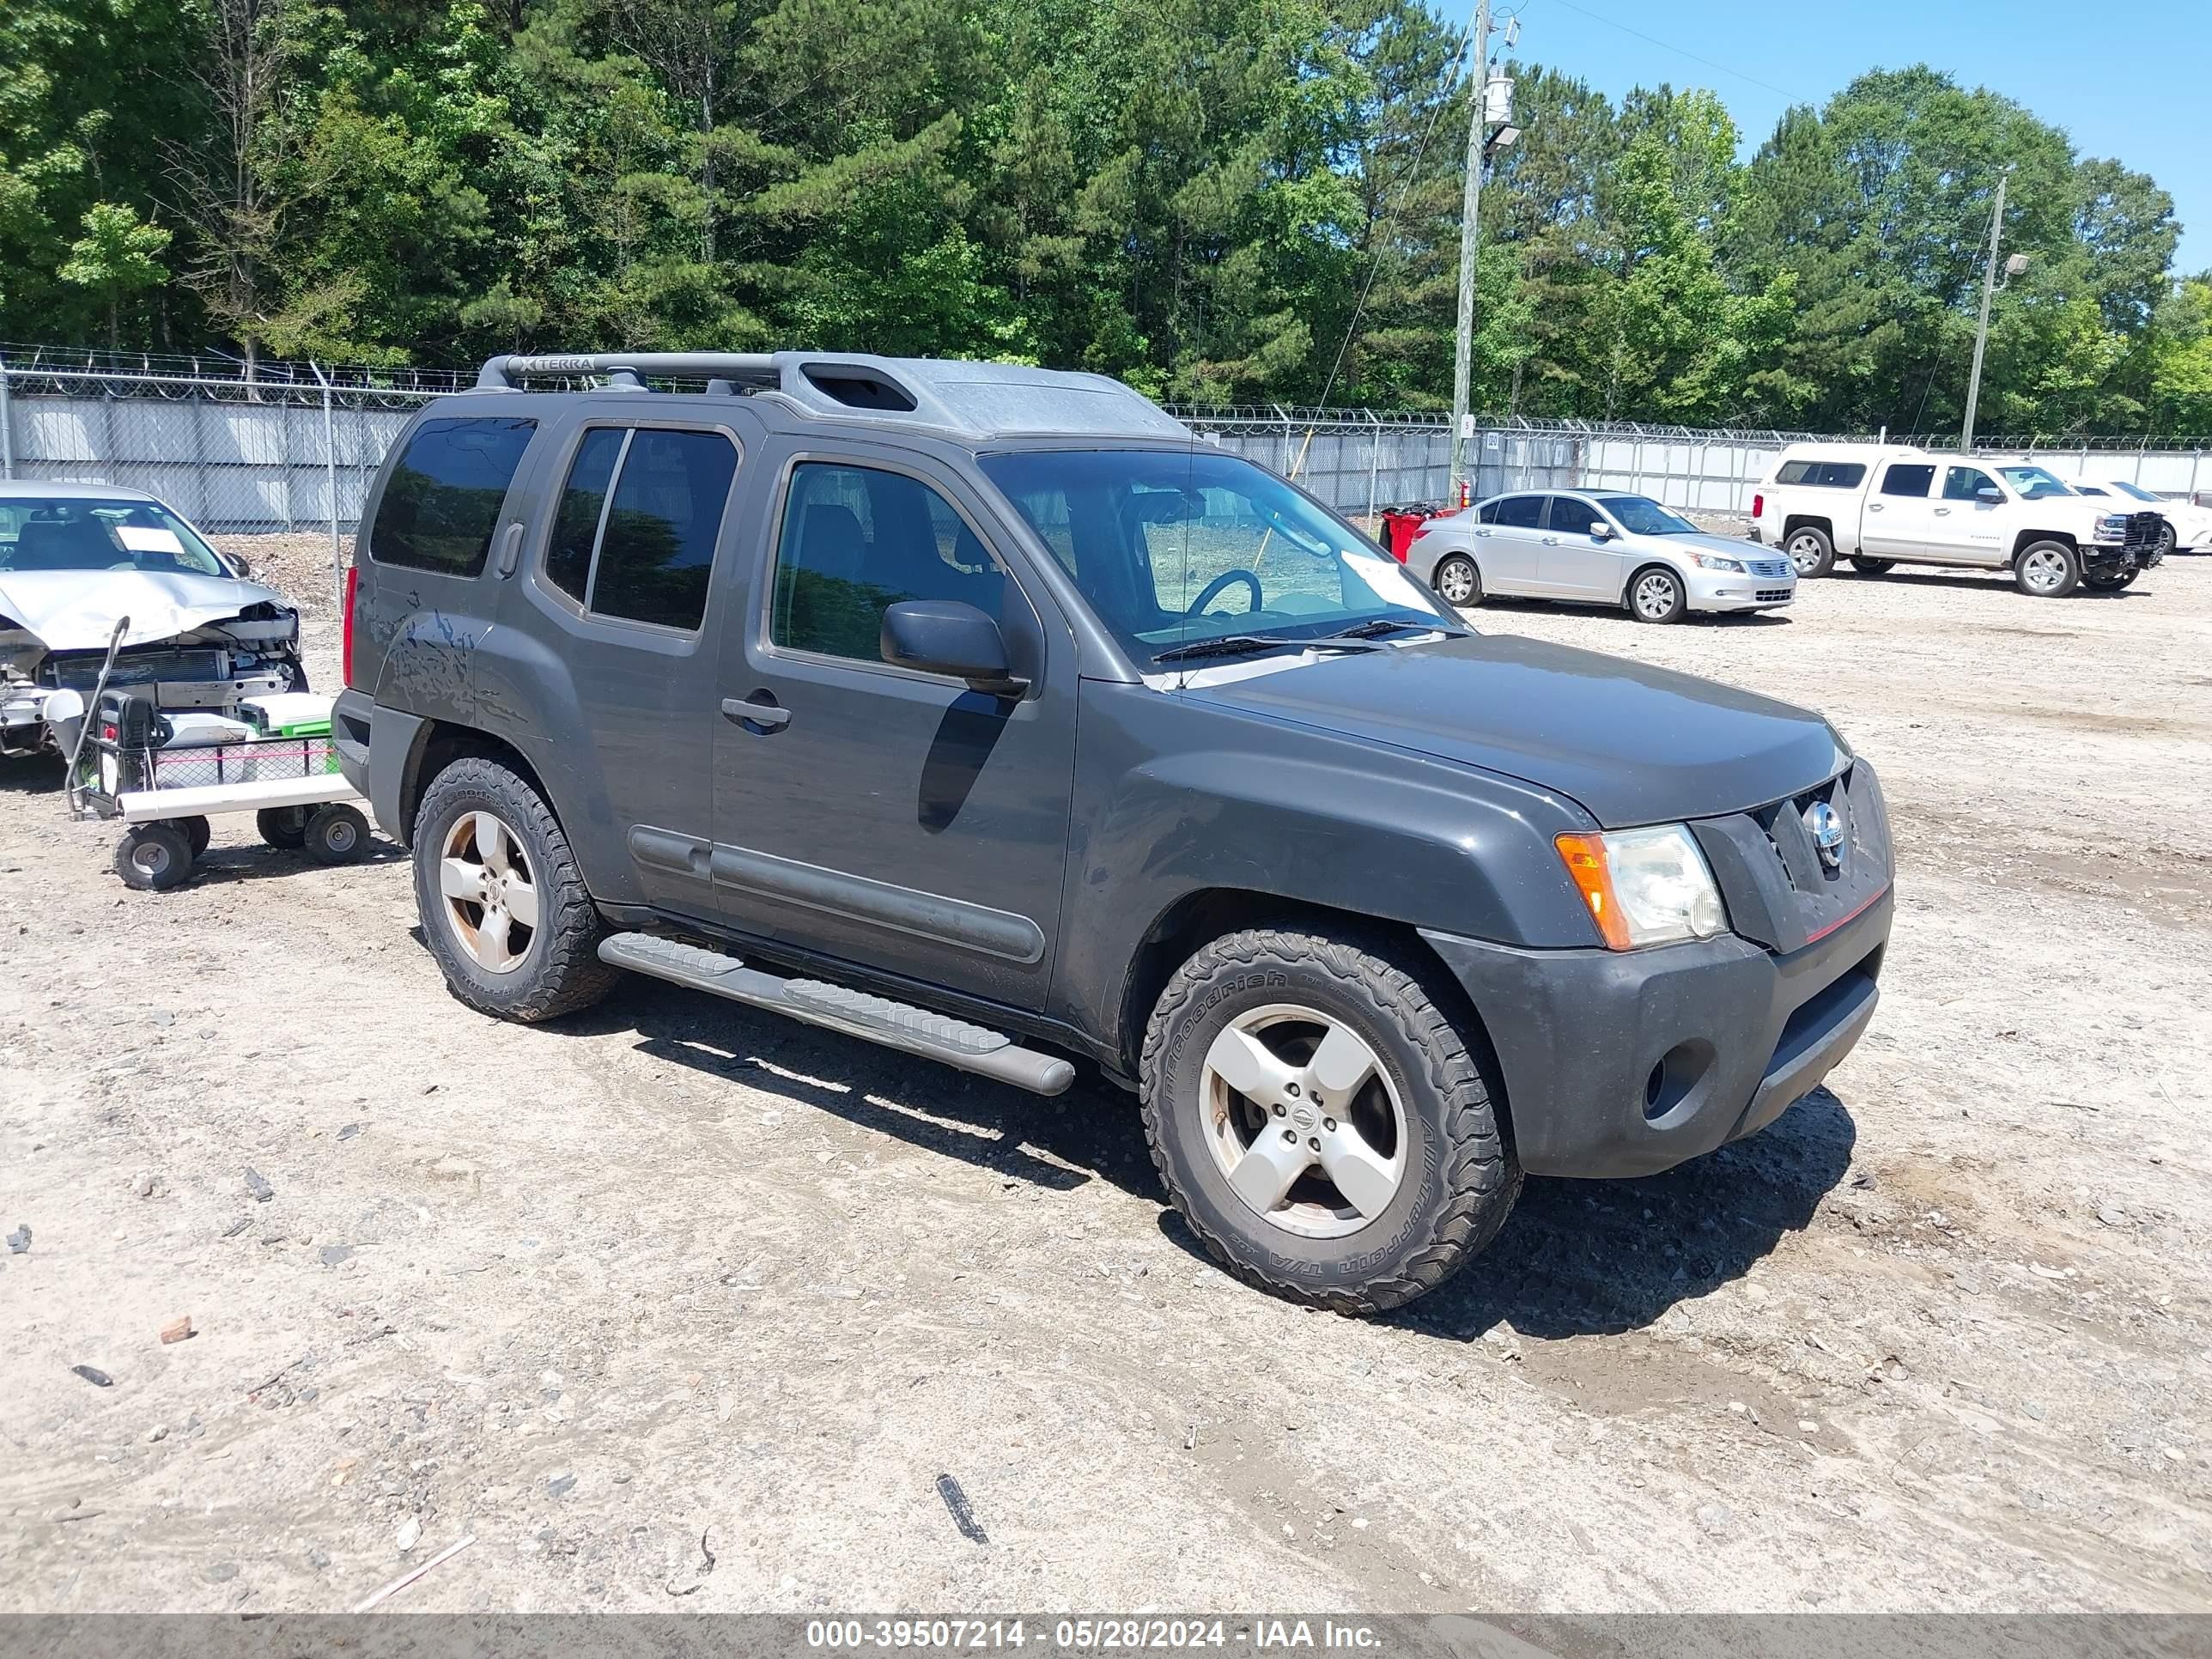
<point x="1682" y="52"/>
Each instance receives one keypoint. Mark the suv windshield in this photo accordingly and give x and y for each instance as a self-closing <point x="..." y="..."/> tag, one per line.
<point x="72" y="533"/>
<point x="2032" y="483"/>
<point x="1639" y="515"/>
<point x="1172" y="548"/>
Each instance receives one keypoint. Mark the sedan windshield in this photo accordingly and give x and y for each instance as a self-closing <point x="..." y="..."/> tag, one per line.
<point x="1639" y="515"/>
<point x="1172" y="548"/>
<point x="2032" y="484"/>
<point x="2137" y="491"/>
<point x="77" y="532"/>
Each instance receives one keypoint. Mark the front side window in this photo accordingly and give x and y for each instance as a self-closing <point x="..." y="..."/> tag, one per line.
<point x="856" y="540"/>
<point x="1963" y="483"/>
<point x="1178" y="548"/>
<point x="1521" y="512"/>
<point x="442" y="502"/>
<point x="75" y="532"/>
<point x="1570" y="517"/>
<point x="634" y="536"/>
<point x="1908" y="480"/>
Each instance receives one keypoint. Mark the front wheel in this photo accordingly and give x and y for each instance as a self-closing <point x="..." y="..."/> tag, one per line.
<point x="1457" y="582"/>
<point x="1867" y="567"/>
<point x="154" y="857"/>
<point x="503" y="905"/>
<point x="2047" y="570"/>
<point x="282" y="826"/>
<point x="1319" y="1122"/>
<point x="1810" y="550"/>
<point x="2110" y="581"/>
<point x="337" y="834"/>
<point x="1655" y="595"/>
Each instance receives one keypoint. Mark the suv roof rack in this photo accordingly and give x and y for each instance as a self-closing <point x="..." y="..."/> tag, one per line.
<point x="974" y="401"/>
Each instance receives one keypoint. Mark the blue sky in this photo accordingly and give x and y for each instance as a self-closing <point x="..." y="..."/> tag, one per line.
<point x="2131" y="79"/>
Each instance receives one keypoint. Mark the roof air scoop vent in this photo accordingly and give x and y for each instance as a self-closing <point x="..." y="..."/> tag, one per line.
<point x="857" y="388"/>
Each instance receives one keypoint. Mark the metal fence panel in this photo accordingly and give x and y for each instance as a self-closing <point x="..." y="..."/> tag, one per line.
<point x="294" y="449"/>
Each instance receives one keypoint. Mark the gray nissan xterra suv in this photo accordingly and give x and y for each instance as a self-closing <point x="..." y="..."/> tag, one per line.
<point x="1000" y="719"/>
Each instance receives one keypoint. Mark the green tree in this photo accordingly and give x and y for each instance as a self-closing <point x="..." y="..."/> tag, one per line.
<point x="116" y="258"/>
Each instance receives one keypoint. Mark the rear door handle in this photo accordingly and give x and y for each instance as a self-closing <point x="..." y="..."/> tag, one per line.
<point x="1485" y="530"/>
<point x="510" y="551"/>
<point x="1874" y="507"/>
<point x="1551" y="541"/>
<point x="769" y="716"/>
<point x="1942" y="512"/>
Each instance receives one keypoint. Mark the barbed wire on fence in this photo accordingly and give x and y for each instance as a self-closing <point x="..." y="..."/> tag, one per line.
<point x="297" y="446"/>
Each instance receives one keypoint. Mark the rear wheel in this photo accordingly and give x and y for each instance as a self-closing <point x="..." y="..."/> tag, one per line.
<point x="2047" y="570"/>
<point x="1867" y="567"/>
<point x="199" y="832"/>
<point x="282" y="826"/>
<point x="1319" y="1122"/>
<point x="154" y="857"/>
<point x="337" y="834"/>
<point x="2110" y="581"/>
<point x="1810" y="550"/>
<point x="503" y="905"/>
<point x="1655" y="595"/>
<point x="1458" y="582"/>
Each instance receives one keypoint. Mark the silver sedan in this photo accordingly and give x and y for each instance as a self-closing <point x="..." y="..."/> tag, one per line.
<point x="1594" y="547"/>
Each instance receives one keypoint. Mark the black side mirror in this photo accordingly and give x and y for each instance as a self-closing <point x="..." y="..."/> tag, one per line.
<point x="945" y="636"/>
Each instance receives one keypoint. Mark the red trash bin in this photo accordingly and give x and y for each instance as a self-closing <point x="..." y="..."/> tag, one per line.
<point x="1399" y="523"/>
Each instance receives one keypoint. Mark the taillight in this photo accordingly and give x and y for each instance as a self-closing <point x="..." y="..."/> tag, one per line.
<point x="1758" y="506"/>
<point x="345" y="637"/>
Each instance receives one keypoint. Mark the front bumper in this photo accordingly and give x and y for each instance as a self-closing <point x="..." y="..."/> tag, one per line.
<point x="1625" y="1063"/>
<point x="1724" y="590"/>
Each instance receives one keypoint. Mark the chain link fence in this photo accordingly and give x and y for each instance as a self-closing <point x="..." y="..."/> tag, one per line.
<point x="293" y="447"/>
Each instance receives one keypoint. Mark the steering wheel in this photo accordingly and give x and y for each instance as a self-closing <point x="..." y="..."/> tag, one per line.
<point x="1213" y="590"/>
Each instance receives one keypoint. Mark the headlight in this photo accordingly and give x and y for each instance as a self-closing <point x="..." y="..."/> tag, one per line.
<point x="2113" y="527"/>
<point x="1644" y="886"/>
<point x="1714" y="561"/>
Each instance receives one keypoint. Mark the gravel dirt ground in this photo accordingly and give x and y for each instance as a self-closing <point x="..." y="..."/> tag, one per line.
<point x="678" y="1307"/>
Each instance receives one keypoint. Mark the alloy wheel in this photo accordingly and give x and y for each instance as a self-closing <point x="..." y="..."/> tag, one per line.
<point x="2044" y="570"/>
<point x="1655" y="597"/>
<point x="1805" y="554"/>
<point x="1455" y="580"/>
<point x="1303" y="1120"/>
<point x="490" y="894"/>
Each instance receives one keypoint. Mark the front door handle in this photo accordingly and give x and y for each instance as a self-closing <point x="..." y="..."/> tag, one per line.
<point x="1942" y="512"/>
<point x="768" y="716"/>
<point x="1874" y="507"/>
<point x="1551" y="541"/>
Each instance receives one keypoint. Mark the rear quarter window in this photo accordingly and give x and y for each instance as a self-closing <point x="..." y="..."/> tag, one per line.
<point x="442" y="503"/>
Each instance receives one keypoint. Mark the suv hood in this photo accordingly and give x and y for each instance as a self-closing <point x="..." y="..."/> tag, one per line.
<point x="77" y="609"/>
<point x="1632" y="744"/>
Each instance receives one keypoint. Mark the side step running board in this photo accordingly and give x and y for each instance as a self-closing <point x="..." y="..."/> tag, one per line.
<point x="838" y="1008"/>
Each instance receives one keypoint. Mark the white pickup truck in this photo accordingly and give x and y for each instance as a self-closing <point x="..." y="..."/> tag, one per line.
<point x="1883" y="506"/>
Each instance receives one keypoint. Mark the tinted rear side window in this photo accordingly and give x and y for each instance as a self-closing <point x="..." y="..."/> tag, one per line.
<point x="1521" y="512"/>
<point x="442" y="502"/>
<point x="583" y="503"/>
<point x="1907" y="480"/>
<point x="658" y="550"/>
<point x="1822" y="474"/>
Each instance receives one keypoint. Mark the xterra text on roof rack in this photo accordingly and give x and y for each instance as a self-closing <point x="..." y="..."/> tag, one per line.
<point x="983" y="712"/>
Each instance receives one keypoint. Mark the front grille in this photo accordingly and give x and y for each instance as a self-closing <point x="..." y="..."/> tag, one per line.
<point x="1773" y="595"/>
<point x="1770" y="568"/>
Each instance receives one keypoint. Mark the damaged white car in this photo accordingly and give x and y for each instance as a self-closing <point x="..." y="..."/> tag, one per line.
<point x="77" y="559"/>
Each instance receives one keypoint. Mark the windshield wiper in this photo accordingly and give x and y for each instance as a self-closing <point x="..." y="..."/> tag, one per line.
<point x="1238" y="645"/>
<point x="1375" y="626"/>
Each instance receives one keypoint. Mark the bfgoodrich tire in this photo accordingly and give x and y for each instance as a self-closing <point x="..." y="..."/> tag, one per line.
<point x="1319" y="1122"/>
<point x="503" y="907"/>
